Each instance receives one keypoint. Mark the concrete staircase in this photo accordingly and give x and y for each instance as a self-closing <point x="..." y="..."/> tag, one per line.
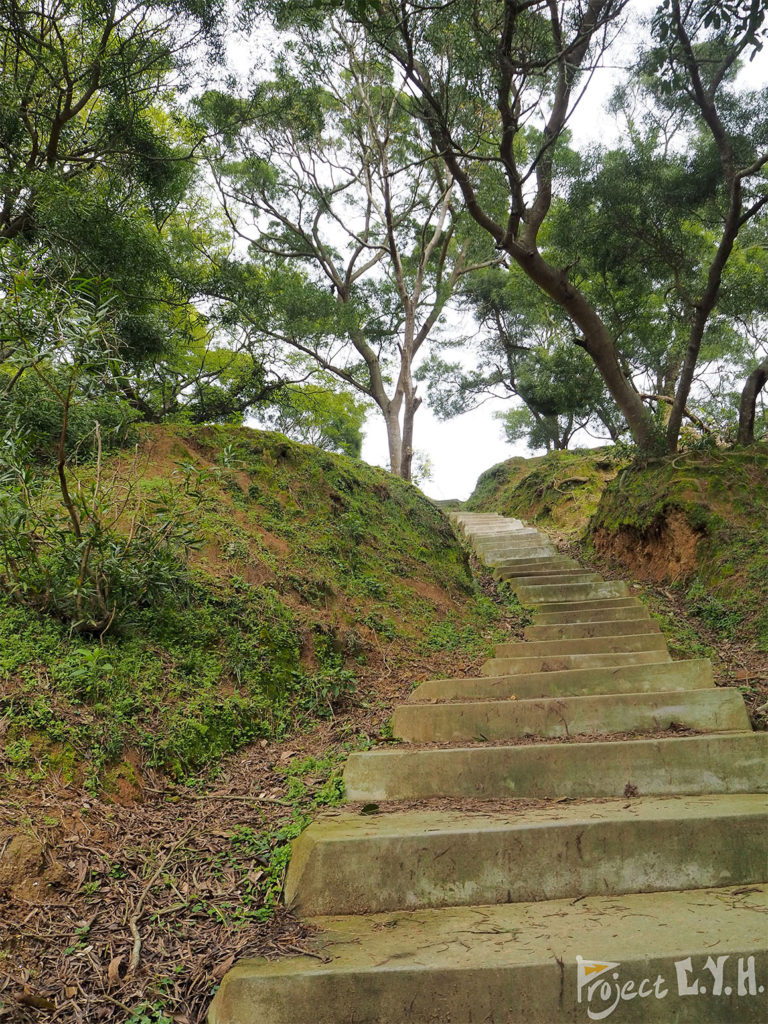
<point x="578" y="834"/>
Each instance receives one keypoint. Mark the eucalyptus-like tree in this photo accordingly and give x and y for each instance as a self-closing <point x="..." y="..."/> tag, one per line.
<point x="495" y="85"/>
<point x="327" y="175"/>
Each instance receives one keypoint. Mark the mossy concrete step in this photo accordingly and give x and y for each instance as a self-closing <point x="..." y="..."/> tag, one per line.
<point x="706" y="710"/>
<point x="559" y="662"/>
<point x="507" y="561"/>
<point x="584" y="630"/>
<point x="672" y="675"/>
<point x="350" y="864"/>
<point x="559" y="592"/>
<point x="491" y="532"/>
<point x="534" y="567"/>
<point x="541" y="579"/>
<point x="587" y="606"/>
<point x="539" y="559"/>
<point x="484" y="518"/>
<point x="584" y="645"/>
<point x="544" y="558"/>
<point x="551" y="565"/>
<point x="518" y="538"/>
<point x="503" y="536"/>
<point x="523" y="551"/>
<point x="517" y="964"/>
<point x="727" y="763"/>
<point x="635" y="611"/>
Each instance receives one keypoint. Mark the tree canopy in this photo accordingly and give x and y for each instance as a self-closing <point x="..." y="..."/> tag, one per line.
<point x="299" y="247"/>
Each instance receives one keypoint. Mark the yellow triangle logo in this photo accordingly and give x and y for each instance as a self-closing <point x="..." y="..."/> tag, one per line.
<point x="595" y="968"/>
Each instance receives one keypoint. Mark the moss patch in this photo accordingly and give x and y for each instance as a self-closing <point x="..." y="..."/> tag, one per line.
<point x="699" y="521"/>
<point x="311" y="569"/>
<point x="557" y="492"/>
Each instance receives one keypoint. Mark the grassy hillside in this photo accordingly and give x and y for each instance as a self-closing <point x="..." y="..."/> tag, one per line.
<point x="311" y="570"/>
<point x="558" y="491"/>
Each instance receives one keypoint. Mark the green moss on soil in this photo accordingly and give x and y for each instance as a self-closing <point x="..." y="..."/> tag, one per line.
<point x="557" y="492"/>
<point x="312" y="568"/>
<point x="717" y="502"/>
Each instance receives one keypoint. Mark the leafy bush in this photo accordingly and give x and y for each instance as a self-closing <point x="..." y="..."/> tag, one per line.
<point x="86" y="549"/>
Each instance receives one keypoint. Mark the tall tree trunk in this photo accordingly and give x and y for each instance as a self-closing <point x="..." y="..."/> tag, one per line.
<point x="597" y="341"/>
<point x="412" y="403"/>
<point x="755" y="383"/>
<point x="394" y="437"/>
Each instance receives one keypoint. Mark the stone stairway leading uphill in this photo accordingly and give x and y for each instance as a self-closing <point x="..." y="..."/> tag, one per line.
<point x="577" y="835"/>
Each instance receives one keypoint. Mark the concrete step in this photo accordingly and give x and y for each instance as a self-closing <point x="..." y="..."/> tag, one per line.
<point x="517" y="964"/>
<point x="510" y="537"/>
<point x="584" y="645"/>
<point x="535" y="567"/>
<point x="557" y="663"/>
<point x="582" y="630"/>
<point x="668" y="676"/>
<point x="587" y="605"/>
<point x="502" y="536"/>
<point x="550" y="558"/>
<point x="349" y="864"/>
<point x="484" y="533"/>
<point x="563" y="592"/>
<point x="541" y="579"/>
<point x="634" y="610"/>
<point x="706" y="710"/>
<point x="497" y="562"/>
<point x="727" y="763"/>
<point x="521" y="538"/>
<point x="527" y="551"/>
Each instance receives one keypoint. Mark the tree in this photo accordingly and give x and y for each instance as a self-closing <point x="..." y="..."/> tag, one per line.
<point x="81" y="544"/>
<point x="699" y="46"/>
<point x="320" y="414"/>
<point x="339" y="181"/>
<point x="755" y="382"/>
<point x="523" y="349"/>
<point x="82" y="88"/>
<point x="637" y="228"/>
<point x="98" y="181"/>
<point x="534" y="60"/>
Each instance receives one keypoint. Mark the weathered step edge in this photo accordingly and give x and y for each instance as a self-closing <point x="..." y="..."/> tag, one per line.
<point x="612" y="644"/>
<point x="570" y="682"/>
<point x="515" y="964"/>
<point x="727" y="763"/>
<point x="555" y="663"/>
<point x="707" y="710"/>
<point x="672" y="675"/>
<point x="348" y="864"/>
<point x="582" y="630"/>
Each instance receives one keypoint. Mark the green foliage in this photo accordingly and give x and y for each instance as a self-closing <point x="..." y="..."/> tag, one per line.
<point x="78" y="545"/>
<point x="528" y="351"/>
<point x="301" y="576"/>
<point x="320" y="414"/>
<point x="361" y="272"/>
<point x="559" y="491"/>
